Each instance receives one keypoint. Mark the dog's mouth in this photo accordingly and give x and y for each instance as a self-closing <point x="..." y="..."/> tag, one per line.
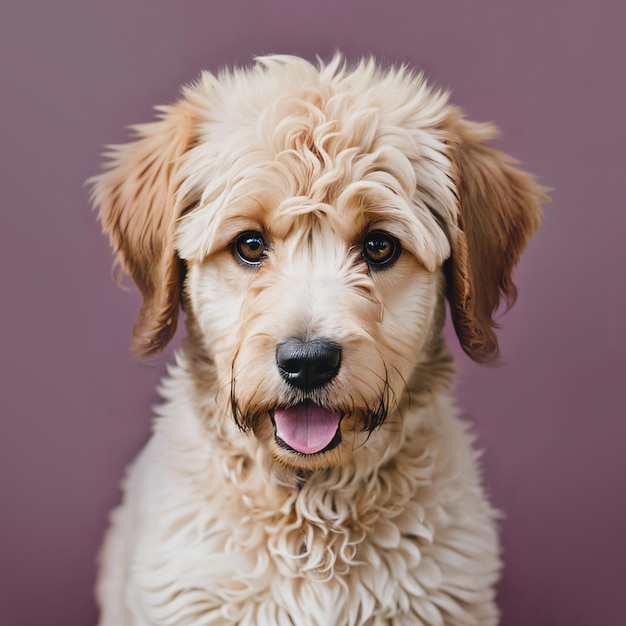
<point x="307" y="428"/>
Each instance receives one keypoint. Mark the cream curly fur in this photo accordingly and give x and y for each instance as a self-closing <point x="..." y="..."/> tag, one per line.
<point x="221" y="524"/>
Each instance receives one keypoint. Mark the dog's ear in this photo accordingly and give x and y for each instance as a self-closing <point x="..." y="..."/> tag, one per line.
<point x="499" y="209"/>
<point x="138" y="208"/>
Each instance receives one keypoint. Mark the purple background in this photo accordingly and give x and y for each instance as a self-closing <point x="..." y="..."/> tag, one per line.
<point x="74" y="405"/>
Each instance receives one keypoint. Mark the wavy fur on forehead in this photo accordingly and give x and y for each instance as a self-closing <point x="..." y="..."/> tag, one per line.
<point x="330" y="137"/>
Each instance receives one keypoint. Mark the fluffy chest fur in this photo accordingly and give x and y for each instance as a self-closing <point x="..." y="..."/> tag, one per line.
<point x="221" y="535"/>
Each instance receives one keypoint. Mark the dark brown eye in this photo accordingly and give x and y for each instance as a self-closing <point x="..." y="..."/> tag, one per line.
<point x="250" y="247"/>
<point x="380" y="249"/>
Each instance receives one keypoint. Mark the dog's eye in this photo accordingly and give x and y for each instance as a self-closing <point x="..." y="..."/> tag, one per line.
<point x="380" y="249"/>
<point x="250" y="247"/>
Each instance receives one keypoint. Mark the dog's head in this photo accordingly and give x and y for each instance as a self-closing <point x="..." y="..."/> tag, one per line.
<point x="312" y="221"/>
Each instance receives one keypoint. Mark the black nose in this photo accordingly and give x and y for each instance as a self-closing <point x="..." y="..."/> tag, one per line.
<point x="308" y="364"/>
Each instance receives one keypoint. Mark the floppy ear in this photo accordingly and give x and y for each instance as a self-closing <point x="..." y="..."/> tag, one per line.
<point x="138" y="209"/>
<point x="498" y="212"/>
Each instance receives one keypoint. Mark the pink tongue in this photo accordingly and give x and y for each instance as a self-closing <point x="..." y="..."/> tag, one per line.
<point x="306" y="428"/>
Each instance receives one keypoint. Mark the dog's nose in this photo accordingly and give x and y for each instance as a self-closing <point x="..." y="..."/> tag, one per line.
<point x="308" y="364"/>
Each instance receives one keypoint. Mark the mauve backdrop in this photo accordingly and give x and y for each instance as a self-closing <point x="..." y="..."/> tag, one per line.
<point x="75" y="406"/>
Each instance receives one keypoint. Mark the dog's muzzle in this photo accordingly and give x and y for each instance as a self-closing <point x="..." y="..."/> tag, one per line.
<point x="306" y="365"/>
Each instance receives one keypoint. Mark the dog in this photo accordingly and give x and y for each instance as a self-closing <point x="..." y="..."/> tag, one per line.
<point x="307" y="466"/>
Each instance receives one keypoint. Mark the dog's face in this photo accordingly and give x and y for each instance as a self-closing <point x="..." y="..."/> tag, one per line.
<point x="314" y="308"/>
<point x="319" y="217"/>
